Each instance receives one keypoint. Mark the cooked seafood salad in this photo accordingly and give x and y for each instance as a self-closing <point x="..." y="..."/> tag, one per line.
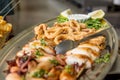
<point x="37" y="60"/>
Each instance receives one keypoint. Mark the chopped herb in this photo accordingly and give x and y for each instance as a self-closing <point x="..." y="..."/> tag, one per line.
<point x="105" y="58"/>
<point x="24" y="58"/>
<point x="38" y="74"/>
<point x="93" y="23"/>
<point x="23" y="78"/>
<point x="51" y="74"/>
<point x="61" y="19"/>
<point x="55" y="62"/>
<point x="43" y="42"/>
<point x="68" y="68"/>
<point x="38" y="54"/>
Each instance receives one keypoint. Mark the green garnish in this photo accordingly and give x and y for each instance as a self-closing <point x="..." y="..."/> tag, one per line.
<point x="38" y="74"/>
<point x="38" y="54"/>
<point x="55" y="62"/>
<point x="51" y="74"/>
<point x="93" y="23"/>
<point x="104" y="59"/>
<point x="43" y="42"/>
<point x="61" y="19"/>
<point x="23" y="78"/>
<point x="68" y="69"/>
<point x="24" y="58"/>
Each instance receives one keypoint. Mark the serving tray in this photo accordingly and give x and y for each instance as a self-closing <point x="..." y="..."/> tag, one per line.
<point x="99" y="71"/>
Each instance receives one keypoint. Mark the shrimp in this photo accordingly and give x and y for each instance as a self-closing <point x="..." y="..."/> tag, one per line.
<point x="31" y="65"/>
<point x="54" y="74"/>
<point x="13" y="76"/>
<point x="45" y="65"/>
<point x="31" y="78"/>
<point x="45" y="58"/>
<point x="14" y="69"/>
<point x="36" y="44"/>
<point x="67" y="76"/>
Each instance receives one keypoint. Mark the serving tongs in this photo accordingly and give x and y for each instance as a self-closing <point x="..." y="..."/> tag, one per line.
<point x="66" y="45"/>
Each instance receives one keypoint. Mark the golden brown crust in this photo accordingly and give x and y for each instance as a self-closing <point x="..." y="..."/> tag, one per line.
<point x="61" y="31"/>
<point x="5" y="29"/>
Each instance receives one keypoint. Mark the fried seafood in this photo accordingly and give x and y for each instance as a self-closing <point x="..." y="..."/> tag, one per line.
<point x="38" y="61"/>
<point x="71" y="30"/>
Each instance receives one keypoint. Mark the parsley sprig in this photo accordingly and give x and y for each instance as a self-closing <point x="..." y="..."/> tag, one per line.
<point x="38" y="53"/>
<point x="93" y="23"/>
<point x="103" y="59"/>
<point x="61" y="19"/>
<point x="43" y="42"/>
<point x="38" y="74"/>
<point x="55" y="62"/>
<point x="68" y="68"/>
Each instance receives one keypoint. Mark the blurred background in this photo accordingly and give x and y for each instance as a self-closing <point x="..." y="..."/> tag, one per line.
<point x="31" y="12"/>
